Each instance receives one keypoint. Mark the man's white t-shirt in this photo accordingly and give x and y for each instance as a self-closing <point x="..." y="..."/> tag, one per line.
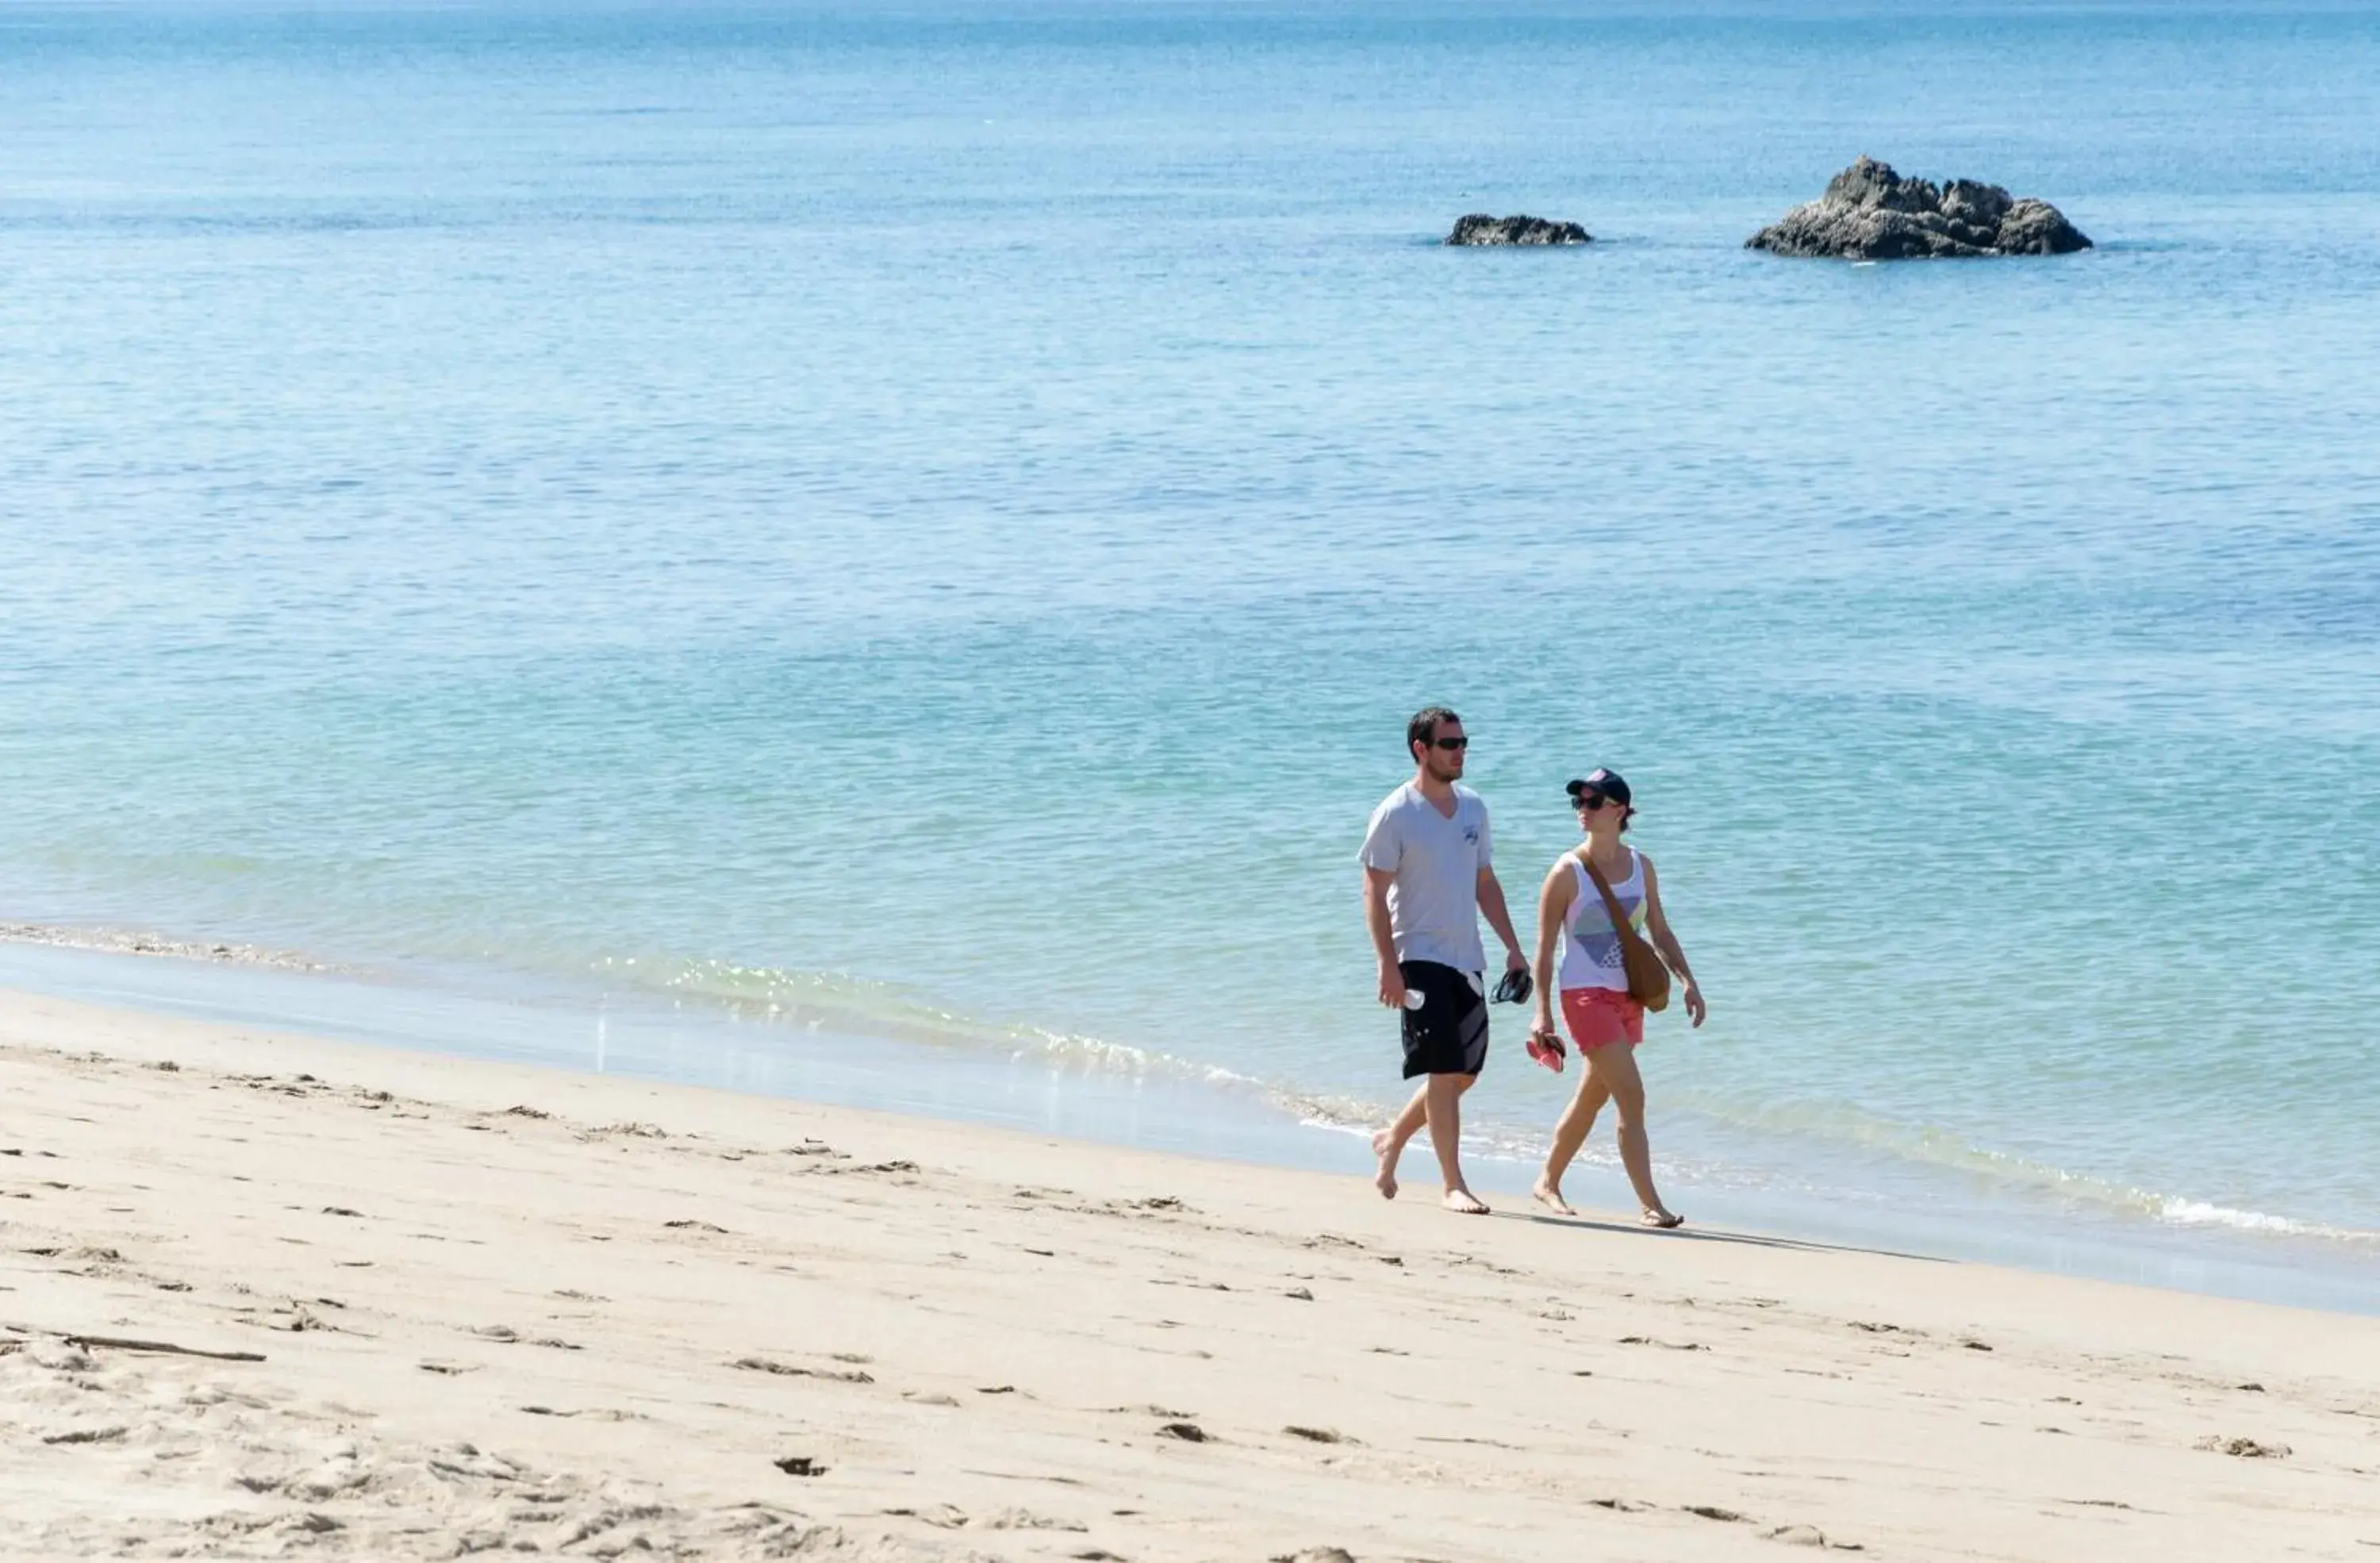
<point x="1434" y="903"/>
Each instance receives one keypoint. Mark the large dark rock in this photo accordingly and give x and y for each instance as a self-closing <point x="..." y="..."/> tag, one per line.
<point x="1480" y="229"/>
<point x="1869" y="213"/>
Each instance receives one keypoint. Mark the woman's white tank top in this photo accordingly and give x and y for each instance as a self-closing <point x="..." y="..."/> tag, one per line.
<point x="1590" y="945"/>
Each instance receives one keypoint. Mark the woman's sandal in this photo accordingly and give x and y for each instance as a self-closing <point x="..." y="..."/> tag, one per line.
<point x="1547" y="1049"/>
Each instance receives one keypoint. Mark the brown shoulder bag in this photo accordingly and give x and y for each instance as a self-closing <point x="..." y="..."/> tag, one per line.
<point x="1648" y="977"/>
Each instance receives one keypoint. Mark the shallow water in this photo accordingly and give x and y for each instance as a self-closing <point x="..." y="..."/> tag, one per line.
<point x="934" y="524"/>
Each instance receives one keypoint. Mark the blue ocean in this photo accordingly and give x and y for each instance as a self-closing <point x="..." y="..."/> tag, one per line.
<point x="901" y="542"/>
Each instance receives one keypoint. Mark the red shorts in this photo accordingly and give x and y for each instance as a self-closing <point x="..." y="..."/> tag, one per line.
<point x="1598" y="1017"/>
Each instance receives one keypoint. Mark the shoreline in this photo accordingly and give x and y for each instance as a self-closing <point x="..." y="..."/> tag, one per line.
<point x="492" y="1303"/>
<point x="693" y="1039"/>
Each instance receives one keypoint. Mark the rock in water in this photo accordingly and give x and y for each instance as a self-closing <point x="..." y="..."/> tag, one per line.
<point x="1480" y="229"/>
<point x="1869" y="213"/>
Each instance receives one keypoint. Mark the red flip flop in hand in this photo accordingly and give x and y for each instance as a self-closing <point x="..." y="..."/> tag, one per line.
<point x="1545" y="1047"/>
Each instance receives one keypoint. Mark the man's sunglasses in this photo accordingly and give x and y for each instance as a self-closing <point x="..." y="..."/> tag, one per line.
<point x="1451" y="745"/>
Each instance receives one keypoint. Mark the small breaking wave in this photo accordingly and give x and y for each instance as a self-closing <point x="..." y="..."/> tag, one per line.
<point x="127" y="941"/>
<point x="2198" y="1213"/>
<point x="831" y="1001"/>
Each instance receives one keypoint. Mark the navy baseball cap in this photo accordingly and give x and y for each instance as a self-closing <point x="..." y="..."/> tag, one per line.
<point x="1603" y="782"/>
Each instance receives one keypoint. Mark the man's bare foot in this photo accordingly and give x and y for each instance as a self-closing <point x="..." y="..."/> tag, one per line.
<point x="1463" y="1202"/>
<point x="1550" y="1196"/>
<point x="1386" y="1181"/>
<point x="1664" y="1220"/>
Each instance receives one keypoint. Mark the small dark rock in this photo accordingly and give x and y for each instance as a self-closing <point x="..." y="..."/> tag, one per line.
<point x="1188" y="1432"/>
<point x="1870" y="212"/>
<point x="1481" y="229"/>
<point x="799" y="1465"/>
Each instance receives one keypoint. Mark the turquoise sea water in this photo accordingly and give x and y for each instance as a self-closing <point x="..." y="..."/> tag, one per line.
<point x="925" y="526"/>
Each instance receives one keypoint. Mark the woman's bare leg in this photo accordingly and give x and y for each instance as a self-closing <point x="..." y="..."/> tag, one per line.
<point x="1577" y="1121"/>
<point x="1616" y="1067"/>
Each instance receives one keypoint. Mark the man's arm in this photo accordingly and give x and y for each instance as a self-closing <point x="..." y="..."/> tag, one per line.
<point x="1384" y="945"/>
<point x="1491" y="902"/>
<point x="1657" y="924"/>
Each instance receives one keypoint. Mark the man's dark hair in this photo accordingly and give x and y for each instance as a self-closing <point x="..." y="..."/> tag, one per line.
<point x="1423" y="729"/>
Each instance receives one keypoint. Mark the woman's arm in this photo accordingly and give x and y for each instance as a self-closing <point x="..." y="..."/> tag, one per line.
<point x="1554" y="904"/>
<point x="1657" y="924"/>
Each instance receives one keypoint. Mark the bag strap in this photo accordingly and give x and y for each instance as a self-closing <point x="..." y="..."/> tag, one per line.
<point x="1620" y="923"/>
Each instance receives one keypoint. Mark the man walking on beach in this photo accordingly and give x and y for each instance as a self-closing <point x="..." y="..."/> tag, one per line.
<point x="1426" y="878"/>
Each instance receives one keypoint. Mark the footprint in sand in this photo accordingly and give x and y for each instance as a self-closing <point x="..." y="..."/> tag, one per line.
<point x="1024" y="1520"/>
<point x="1797" y="1535"/>
<point x="790" y="1370"/>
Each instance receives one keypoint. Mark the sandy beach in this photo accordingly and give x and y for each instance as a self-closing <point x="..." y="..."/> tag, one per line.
<point x="426" y="1307"/>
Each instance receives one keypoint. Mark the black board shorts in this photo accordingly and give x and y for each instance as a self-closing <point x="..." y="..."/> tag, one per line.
<point x="1449" y="1034"/>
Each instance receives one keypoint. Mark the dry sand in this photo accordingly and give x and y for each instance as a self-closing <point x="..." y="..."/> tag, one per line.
<point x="501" y="1308"/>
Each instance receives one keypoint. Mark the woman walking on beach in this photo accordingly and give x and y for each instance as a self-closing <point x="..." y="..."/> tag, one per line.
<point x="1575" y="917"/>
